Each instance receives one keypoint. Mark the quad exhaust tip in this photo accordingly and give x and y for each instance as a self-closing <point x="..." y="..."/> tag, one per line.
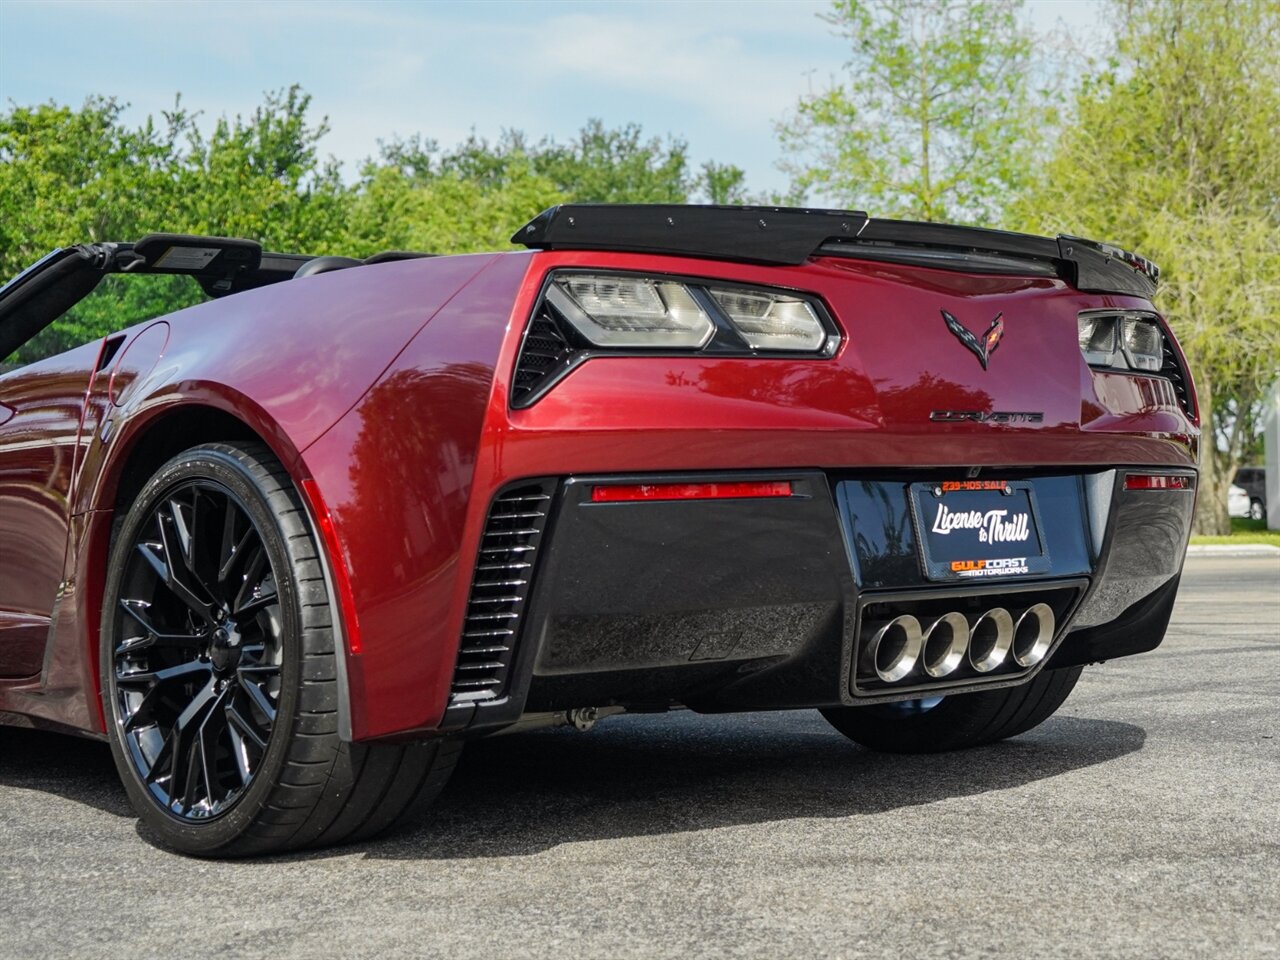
<point x="945" y="643"/>
<point x="895" y="648"/>
<point x="990" y="639"/>
<point x="1033" y="635"/>
<point x="899" y="646"/>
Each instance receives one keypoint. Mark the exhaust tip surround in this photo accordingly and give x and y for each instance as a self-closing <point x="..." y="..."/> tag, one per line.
<point x="925" y="640"/>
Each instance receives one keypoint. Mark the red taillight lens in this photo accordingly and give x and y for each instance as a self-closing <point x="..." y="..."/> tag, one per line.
<point x="1158" y="481"/>
<point x="632" y="492"/>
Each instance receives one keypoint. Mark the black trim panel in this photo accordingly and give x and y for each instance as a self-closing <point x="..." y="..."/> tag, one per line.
<point x="754" y="603"/>
<point x="1139" y="629"/>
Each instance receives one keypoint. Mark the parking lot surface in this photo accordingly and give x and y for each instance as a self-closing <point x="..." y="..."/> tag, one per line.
<point x="1143" y="820"/>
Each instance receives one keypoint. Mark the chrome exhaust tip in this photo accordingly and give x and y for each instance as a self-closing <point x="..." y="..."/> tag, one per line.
<point x="945" y="643"/>
<point x="990" y="639"/>
<point x="1033" y="635"/>
<point x="894" y="648"/>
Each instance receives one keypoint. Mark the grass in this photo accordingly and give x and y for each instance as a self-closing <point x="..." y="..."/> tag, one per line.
<point x="1244" y="531"/>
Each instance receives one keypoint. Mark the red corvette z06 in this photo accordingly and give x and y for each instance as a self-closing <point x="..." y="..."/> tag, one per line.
<point x="288" y="549"/>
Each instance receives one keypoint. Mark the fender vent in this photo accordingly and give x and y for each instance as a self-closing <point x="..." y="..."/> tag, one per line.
<point x="499" y="589"/>
<point x="543" y="355"/>
<point x="1172" y="370"/>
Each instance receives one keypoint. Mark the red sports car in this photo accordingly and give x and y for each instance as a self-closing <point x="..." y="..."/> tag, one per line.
<point x="286" y="550"/>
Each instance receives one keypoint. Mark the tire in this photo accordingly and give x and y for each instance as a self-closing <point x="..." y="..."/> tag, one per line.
<point x="956" y="722"/>
<point x="1256" y="512"/>
<point x="219" y="674"/>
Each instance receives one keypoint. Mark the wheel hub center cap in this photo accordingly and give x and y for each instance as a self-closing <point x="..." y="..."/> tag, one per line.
<point x="224" y="650"/>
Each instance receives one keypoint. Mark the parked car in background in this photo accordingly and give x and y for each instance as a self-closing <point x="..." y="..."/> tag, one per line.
<point x="1251" y="501"/>
<point x="1238" y="501"/>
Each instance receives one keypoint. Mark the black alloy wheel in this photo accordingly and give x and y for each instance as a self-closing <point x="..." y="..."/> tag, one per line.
<point x="219" y="669"/>
<point x="199" y="650"/>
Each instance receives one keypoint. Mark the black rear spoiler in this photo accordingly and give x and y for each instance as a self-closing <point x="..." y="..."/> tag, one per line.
<point x="791" y="235"/>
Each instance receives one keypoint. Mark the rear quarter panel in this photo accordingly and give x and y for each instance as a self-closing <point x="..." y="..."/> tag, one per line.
<point x="288" y="360"/>
<point x="405" y="477"/>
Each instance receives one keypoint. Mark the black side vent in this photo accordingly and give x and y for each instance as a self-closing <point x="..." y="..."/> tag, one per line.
<point x="543" y="355"/>
<point x="499" y="590"/>
<point x="1171" y="369"/>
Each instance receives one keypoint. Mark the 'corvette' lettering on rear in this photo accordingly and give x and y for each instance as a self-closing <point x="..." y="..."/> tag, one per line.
<point x="982" y="416"/>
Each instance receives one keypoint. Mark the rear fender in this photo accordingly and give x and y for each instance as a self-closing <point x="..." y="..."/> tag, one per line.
<point x="404" y="477"/>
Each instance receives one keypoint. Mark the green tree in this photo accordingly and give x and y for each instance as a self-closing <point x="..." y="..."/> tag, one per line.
<point x="69" y="176"/>
<point x="261" y="176"/>
<point x="600" y="165"/>
<point x="618" y="166"/>
<point x="473" y="196"/>
<point x="933" y="118"/>
<point x="443" y="213"/>
<point x="72" y="176"/>
<point x="1172" y="151"/>
<point x="723" y="183"/>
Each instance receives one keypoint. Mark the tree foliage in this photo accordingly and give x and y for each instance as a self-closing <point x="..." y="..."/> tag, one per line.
<point x="1172" y="151"/>
<point x="70" y="176"/>
<point x="933" y="118"/>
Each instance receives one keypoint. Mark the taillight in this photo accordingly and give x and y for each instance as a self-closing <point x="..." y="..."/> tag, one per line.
<point x="1121" y="340"/>
<point x="631" y="312"/>
<point x="772" y="320"/>
<point x="1141" y="343"/>
<point x="1159" y="481"/>
<point x="597" y="313"/>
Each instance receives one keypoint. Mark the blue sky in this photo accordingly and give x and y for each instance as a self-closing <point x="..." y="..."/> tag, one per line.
<point x="717" y="73"/>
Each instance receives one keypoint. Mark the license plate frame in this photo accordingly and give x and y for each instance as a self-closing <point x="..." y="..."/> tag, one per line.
<point x="992" y="530"/>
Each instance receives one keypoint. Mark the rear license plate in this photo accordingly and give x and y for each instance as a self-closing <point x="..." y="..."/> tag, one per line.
<point x="978" y="529"/>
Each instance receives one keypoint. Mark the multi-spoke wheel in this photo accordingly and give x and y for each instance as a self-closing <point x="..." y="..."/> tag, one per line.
<point x="219" y="673"/>
<point x="198" y="655"/>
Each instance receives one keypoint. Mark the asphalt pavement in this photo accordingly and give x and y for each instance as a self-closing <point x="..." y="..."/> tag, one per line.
<point x="1142" y="821"/>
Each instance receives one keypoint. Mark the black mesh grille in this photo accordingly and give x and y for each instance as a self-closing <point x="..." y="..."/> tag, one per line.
<point x="1171" y="369"/>
<point x="499" y="590"/>
<point x="543" y="355"/>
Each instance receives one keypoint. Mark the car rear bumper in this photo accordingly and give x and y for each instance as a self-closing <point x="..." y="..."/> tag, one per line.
<point x="749" y="604"/>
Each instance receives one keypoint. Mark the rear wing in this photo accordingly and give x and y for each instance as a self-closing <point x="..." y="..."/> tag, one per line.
<point x="791" y="235"/>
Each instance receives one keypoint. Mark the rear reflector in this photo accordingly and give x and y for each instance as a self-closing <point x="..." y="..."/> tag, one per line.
<point x="624" y="493"/>
<point x="1158" y="481"/>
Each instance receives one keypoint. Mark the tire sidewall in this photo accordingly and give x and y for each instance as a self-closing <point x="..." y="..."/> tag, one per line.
<point x="216" y="464"/>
